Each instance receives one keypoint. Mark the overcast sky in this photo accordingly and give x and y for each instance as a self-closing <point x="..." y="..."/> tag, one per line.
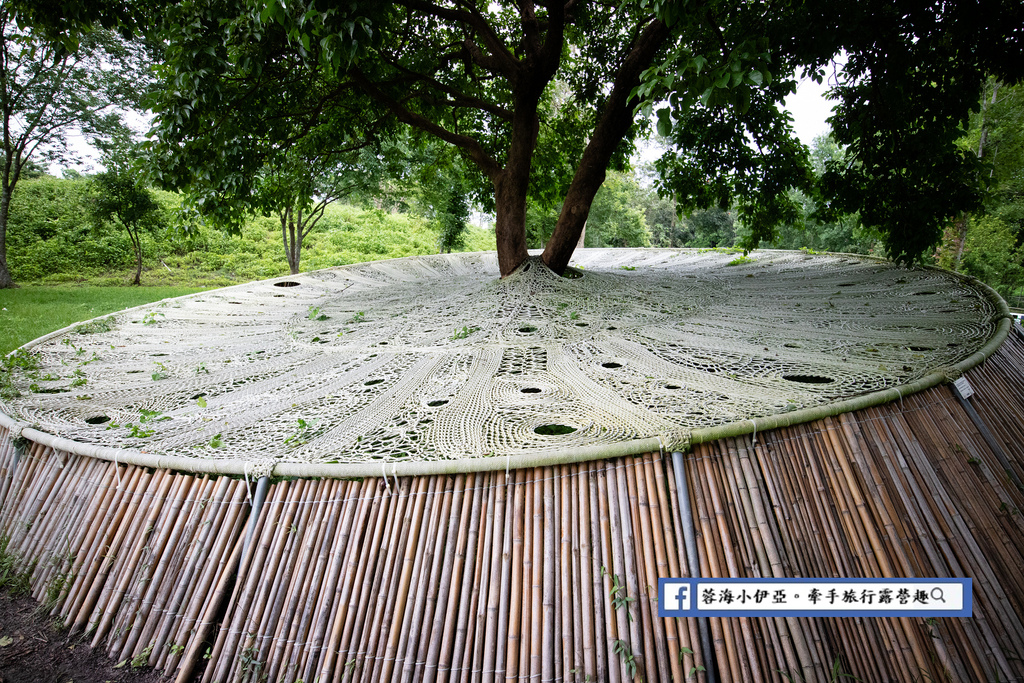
<point x="810" y="109"/>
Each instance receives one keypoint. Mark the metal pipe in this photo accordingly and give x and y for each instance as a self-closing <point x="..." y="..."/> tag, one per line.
<point x="262" y="486"/>
<point x="690" y="541"/>
<point x="979" y="423"/>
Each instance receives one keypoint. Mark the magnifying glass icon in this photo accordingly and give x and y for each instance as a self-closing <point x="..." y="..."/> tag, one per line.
<point x="938" y="595"/>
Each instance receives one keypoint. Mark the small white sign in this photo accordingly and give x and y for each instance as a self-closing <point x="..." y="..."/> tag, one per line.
<point x="963" y="387"/>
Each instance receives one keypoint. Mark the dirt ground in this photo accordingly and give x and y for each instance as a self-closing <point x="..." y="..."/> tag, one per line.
<point x="34" y="650"/>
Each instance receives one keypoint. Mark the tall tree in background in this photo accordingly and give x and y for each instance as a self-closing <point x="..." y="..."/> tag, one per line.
<point x="48" y="92"/>
<point x="987" y="243"/>
<point x="299" y="185"/>
<point x="120" y="194"/>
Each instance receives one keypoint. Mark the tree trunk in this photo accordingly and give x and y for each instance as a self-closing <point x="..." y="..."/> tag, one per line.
<point x="613" y="126"/>
<point x="291" y="249"/>
<point x="510" y="219"/>
<point x="512" y="183"/>
<point x="6" y="282"/>
<point x="960" y="237"/>
<point x="133" y="235"/>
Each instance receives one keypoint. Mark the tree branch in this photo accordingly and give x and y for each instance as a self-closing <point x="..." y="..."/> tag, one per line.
<point x="458" y="98"/>
<point x="504" y="59"/>
<point x="612" y="127"/>
<point x="477" y="154"/>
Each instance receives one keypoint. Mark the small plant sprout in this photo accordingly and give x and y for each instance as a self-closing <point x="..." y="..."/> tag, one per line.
<point x="151" y="318"/>
<point x="303" y="433"/>
<point x="161" y="372"/>
<point x="152" y="416"/>
<point x="621" y="648"/>
<point x="314" y="313"/>
<point x="201" y="369"/>
<point x="138" y="431"/>
<point x="619" y="597"/>
<point x="357" y="317"/>
<point x="683" y="652"/>
<point x="464" y="332"/>
<point x="740" y="260"/>
<point x="216" y="441"/>
<point x="142" y="659"/>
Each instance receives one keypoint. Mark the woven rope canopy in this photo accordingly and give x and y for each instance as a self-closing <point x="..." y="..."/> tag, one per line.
<point x="437" y="359"/>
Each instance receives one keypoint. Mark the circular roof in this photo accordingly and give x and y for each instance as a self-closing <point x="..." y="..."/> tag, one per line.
<point x="436" y="358"/>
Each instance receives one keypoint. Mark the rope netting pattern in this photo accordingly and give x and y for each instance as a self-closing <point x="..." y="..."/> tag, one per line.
<point x="436" y="358"/>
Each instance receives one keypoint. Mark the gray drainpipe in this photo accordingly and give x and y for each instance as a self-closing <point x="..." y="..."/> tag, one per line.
<point x="690" y="541"/>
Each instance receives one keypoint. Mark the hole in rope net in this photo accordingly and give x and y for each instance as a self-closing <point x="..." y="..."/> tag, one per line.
<point x="572" y="274"/>
<point x="279" y="296"/>
<point x="554" y="430"/>
<point x="920" y="348"/>
<point x="671" y="386"/>
<point x="97" y="419"/>
<point x="434" y="404"/>
<point x="157" y="355"/>
<point x="923" y="293"/>
<point x="610" y="329"/>
<point x="846" y="284"/>
<point x="235" y="302"/>
<point x="287" y="283"/>
<point x="791" y="345"/>
<point x="611" y="364"/>
<point x="530" y="390"/>
<point x="133" y="372"/>
<point x="50" y="390"/>
<point x="197" y="396"/>
<point x="808" y="379"/>
<point x="526" y="267"/>
<point x="372" y="382"/>
<point x="582" y="324"/>
<point x="527" y="328"/>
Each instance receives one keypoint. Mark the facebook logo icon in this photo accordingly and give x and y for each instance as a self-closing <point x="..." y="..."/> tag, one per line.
<point x="675" y="596"/>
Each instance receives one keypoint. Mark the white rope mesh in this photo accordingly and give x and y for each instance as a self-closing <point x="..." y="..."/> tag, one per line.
<point x="430" y="358"/>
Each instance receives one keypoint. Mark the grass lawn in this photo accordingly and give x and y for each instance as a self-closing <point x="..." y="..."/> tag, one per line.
<point x="30" y="312"/>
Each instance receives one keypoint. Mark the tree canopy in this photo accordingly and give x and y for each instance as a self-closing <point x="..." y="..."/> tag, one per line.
<point x="544" y="97"/>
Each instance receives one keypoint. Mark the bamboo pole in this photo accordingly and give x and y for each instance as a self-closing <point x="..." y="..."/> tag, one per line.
<point x="467" y="570"/>
<point x="181" y="629"/>
<point x="350" y="611"/>
<point x="410" y="563"/>
<point x="497" y="599"/>
<point x="482" y="607"/>
<point x="151" y="542"/>
<point x="314" y="621"/>
<point x="390" y="573"/>
<point x="594" y="510"/>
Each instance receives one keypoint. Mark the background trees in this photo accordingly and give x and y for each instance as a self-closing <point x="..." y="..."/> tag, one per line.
<point x="120" y="195"/>
<point x="48" y="92"/>
<point x="508" y="85"/>
<point x="501" y="82"/>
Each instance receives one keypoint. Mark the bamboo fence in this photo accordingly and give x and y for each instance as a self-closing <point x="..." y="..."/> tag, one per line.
<point x="546" y="573"/>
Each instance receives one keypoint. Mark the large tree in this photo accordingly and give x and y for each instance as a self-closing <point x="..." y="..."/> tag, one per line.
<point x="49" y="92"/>
<point x="544" y="96"/>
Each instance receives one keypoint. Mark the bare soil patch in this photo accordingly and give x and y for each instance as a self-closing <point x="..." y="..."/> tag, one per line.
<point x="35" y="649"/>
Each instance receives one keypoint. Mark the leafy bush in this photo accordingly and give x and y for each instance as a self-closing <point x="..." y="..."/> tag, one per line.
<point x="51" y="240"/>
